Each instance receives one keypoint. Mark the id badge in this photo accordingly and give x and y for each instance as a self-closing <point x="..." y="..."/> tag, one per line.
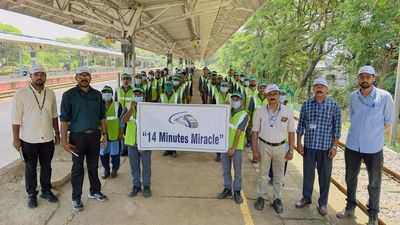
<point x="313" y="126"/>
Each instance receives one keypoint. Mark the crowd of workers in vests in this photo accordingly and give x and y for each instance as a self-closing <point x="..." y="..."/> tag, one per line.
<point x="103" y="125"/>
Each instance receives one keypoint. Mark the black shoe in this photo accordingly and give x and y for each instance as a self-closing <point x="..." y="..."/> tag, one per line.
<point x="146" y="191"/>
<point x="106" y="174"/>
<point x="271" y="182"/>
<point x="174" y="154"/>
<point x="238" y="197"/>
<point x="49" y="196"/>
<point x="225" y="193"/>
<point x="98" y="196"/>
<point x="303" y="202"/>
<point x="32" y="201"/>
<point x="248" y="145"/>
<point x="166" y="153"/>
<point x="278" y="206"/>
<point x="77" y="205"/>
<point x="124" y="152"/>
<point x="134" y="191"/>
<point x="113" y="174"/>
<point x="259" y="204"/>
<point x="218" y="158"/>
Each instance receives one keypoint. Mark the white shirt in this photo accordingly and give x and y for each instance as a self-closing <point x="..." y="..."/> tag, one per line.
<point x="36" y="126"/>
<point x="284" y="123"/>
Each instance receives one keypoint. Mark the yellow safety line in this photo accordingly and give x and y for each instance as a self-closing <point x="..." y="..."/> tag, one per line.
<point x="244" y="208"/>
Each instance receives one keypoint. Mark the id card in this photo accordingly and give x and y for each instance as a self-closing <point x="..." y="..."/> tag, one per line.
<point x="313" y="126"/>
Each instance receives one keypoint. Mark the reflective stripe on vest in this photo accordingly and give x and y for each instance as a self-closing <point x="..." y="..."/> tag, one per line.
<point x="258" y="103"/>
<point x="124" y="98"/>
<point x="131" y="130"/>
<point x="219" y="99"/>
<point x="112" y="121"/>
<point x="172" y="100"/>
<point x="234" y="123"/>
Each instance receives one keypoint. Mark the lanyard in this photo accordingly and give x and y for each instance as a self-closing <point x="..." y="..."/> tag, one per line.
<point x="37" y="100"/>
<point x="273" y="116"/>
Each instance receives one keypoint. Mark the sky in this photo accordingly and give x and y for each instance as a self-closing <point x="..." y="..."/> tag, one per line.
<point x="37" y="27"/>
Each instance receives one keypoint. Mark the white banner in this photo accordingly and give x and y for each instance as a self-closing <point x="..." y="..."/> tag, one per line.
<point x="201" y="128"/>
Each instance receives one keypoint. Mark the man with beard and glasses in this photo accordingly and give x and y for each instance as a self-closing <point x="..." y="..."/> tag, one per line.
<point x="320" y="123"/>
<point x="371" y="111"/>
<point x="83" y="114"/>
<point x="34" y="117"/>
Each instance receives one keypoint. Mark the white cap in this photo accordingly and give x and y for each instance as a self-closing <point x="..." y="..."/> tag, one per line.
<point x="82" y="69"/>
<point x="272" y="87"/>
<point x="322" y="81"/>
<point x="37" y="69"/>
<point x="366" y="69"/>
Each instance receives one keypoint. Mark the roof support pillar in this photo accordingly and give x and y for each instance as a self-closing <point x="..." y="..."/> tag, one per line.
<point x="169" y="63"/>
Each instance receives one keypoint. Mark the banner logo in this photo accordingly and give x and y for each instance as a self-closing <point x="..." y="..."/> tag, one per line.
<point x="184" y="119"/>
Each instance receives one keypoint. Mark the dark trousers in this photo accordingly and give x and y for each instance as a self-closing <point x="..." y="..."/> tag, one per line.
<point x="86" y="145"/>
<point x="248" y="136"/>
<point x="316" y="158"/>
<point x="374" y="164"/>
<point x="115" y="161"/>
<point x="32" y="152"/>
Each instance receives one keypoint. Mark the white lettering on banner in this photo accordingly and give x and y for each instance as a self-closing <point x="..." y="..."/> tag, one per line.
<point x="201" y="128"/>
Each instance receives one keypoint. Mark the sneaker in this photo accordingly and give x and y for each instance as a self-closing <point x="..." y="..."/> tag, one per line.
<point x="373" y="219"/>
<point x="106" y="174"/>
<point x="225" y="193"/>
<point x="134" y="191"/>
<point x="49" y="196"/>
<point x="347" y="212"/>
<point x="166" y="153"/>
<point x="146" y="191"/>
<point x="114" y="174"/>
<point x="278" y="206"/>
<point x="259" y="204"/>
<point x="217" y="158"/>
<point x="302" y="203"/>
<point x="174" y="154"/>
<point x="124" y="152"/>
<point x="32" y="201"/>
<point x="323" y="210"/>
<point x="238" y="197"/>
<point x="77" y="205"/>
<point x="98" y="196"/>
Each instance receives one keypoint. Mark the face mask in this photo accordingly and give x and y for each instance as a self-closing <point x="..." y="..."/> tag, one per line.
<point x="175" y="82"/>
<point x="106" y="96"/>
<point x="224" y="89"/>
<point x="282" y="99"/>
<point x="246" y="83"/>
<point x="242" y="79"/>
<point x="151" y="77"/>
<point x="235" y="105"/>
<point x="138" y="81"/>
<point x="168" y="89"/>
<point x="137" y="99"/>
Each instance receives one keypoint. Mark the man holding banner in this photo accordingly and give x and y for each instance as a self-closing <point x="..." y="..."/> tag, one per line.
<point x="237" y="127"/>
<point x="134" y="154"/>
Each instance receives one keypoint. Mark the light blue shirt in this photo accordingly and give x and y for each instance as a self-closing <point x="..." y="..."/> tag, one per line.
<point x="368" y="115"/>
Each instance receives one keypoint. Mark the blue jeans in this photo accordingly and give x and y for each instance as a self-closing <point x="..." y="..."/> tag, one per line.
<point x="320" y="159"/>
<point x="134" y="160"/>
<point x="374" y="164"/>
<point x="105" y="161"/>
<point x="237" y="167"/>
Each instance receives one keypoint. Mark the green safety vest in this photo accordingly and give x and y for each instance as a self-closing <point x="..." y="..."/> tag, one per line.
<point x="131" y="130"/>
<point x="160" y="85"/>
<point x="219" y="99"/>
<point x="234" y="123"/>
<point x="258" y="103"/>
<point x="124" y="98"/>
<point x="172" y="100"/>
<point x="112" y="121"/>
<point x="154" y="86"/>
<point x="249" y="94"/>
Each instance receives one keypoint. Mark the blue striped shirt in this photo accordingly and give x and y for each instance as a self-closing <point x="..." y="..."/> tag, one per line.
<point x="368" y="116"/>
<point x="319" y="123"/>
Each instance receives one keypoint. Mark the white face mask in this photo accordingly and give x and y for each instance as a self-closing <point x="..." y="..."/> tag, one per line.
<point x="235" y="105"/>
<point x="175" y="83"/>
<point x="282" y="99"/>
<point x="106" y="96"/>
<point x="246" y="83"/>
<point x="242" y="79"/>
<point x="138" y="81"/>
<point x="151" y="77"/>
<point x="224" y="89"/>
<point x="137" y="99"/>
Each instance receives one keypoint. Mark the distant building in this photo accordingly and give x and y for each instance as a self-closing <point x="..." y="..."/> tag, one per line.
<point x="335" y="75"/>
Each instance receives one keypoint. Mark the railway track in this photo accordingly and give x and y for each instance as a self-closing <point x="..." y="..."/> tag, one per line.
<point x="10" y="94"/>
<point x="390" y="188"/>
